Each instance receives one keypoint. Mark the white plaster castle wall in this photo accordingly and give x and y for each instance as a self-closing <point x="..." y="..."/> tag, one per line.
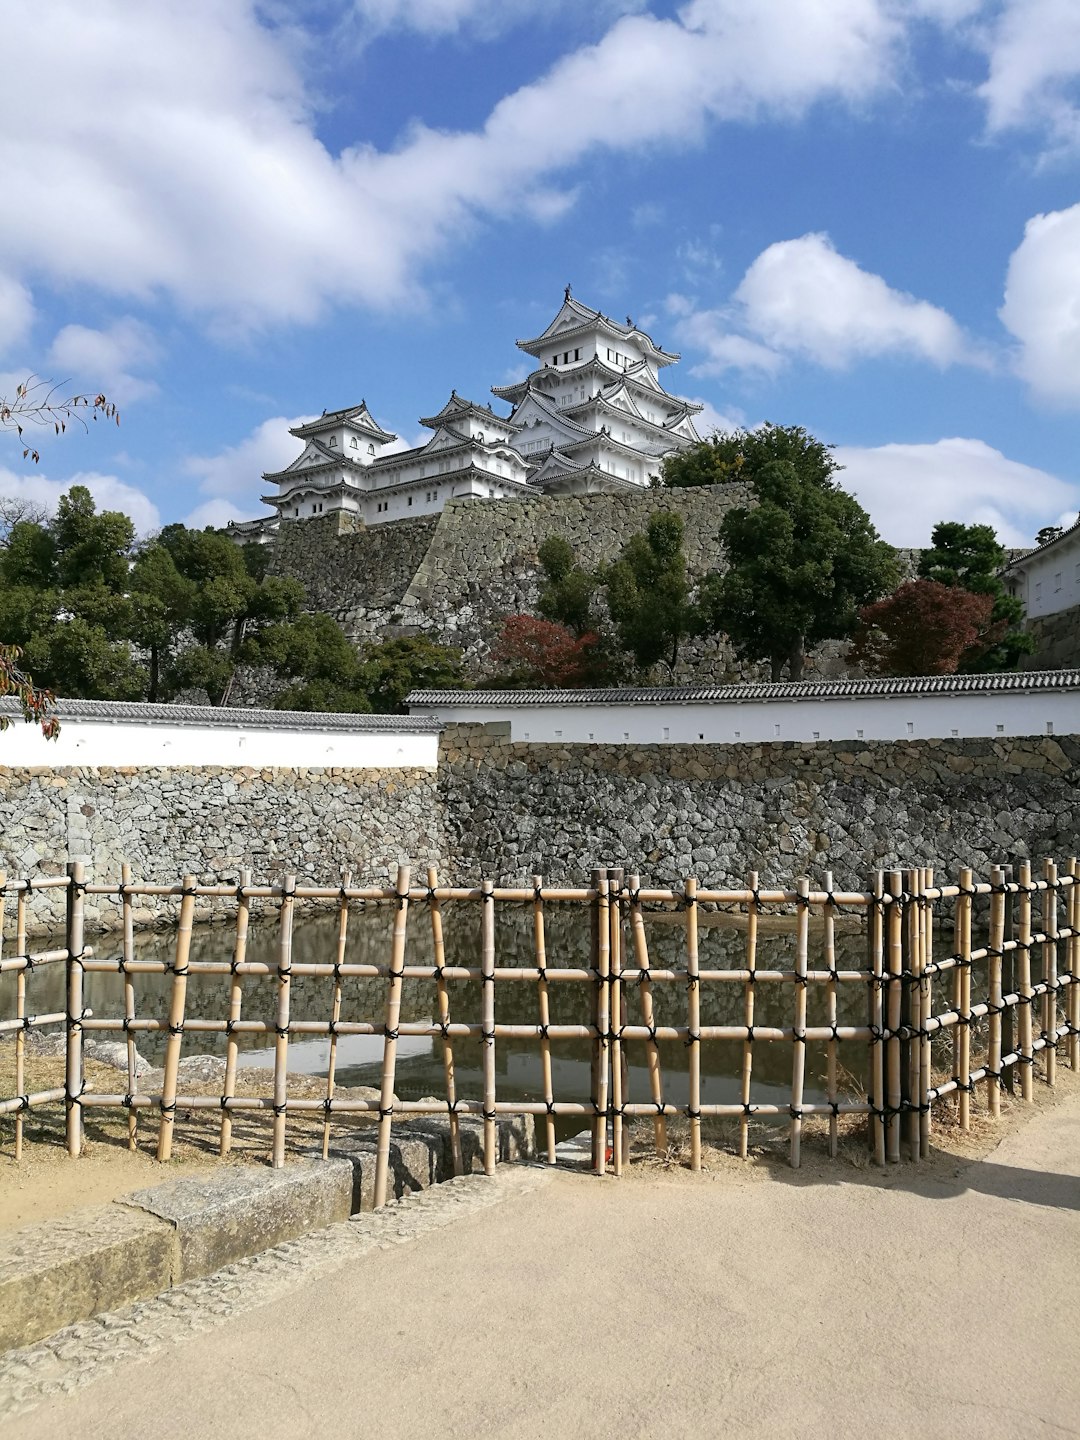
<point x="919" y="717"/>
<point x="1051" y="582"/>
<point x="86" y="742"/>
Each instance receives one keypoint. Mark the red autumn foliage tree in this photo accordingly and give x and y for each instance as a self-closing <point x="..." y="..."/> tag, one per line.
<point x="543" y="653"/>
<point x="36" y="704"/>
<point x="923" y="628"/>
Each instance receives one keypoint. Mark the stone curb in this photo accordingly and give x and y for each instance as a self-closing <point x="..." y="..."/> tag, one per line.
<point x="58" y="1272"/>
<point x="79" y="1354"/>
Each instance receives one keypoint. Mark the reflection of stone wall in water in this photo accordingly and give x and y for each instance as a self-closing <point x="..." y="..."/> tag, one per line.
<point x="784" y="809"/>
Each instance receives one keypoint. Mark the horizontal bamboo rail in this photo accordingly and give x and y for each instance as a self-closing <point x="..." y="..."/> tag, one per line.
<point x="918" y="1004"/>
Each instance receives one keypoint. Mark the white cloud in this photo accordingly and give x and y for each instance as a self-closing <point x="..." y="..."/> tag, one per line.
<point x="1042" y="305"/>
<point x="804" y="297"/>
<point x="109" y="493"/>
<point x="216" y="513"/>
<point x="235" y="473"/>
<point x="197" y="173"/>
<point x="710" y="420"/>
<point x="908" y="488"/>
<point x="1034" y="64"/>
<point x="104" y="359"/>
<point x="484" y="17"/>
<point x="16" y="313"/>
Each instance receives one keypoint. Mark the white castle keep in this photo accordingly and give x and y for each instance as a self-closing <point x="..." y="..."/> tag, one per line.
<point x="592" y="417"/>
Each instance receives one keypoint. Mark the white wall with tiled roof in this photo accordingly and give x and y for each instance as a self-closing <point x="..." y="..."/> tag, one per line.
<point x="97" y="733"/>
<point x="1029" y="704"/>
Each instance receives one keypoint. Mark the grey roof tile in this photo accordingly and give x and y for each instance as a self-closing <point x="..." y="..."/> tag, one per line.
<point x="231" y="718"/>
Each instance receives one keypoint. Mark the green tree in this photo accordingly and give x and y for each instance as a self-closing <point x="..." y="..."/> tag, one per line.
<point x="648" y="593"/>
<point x="314" y="654"/>
<point x="802" y="562"/>
<point x="972" y="557"/>
<point x="741" y="455"/>
<point x="389" y="671"/>
<point x="569" y="592"/>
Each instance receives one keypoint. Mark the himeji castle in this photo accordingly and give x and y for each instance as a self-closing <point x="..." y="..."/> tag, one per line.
<point x="592" y="416"/>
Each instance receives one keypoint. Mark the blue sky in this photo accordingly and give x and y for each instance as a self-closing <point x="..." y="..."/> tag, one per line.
<point x="862" y="216"/>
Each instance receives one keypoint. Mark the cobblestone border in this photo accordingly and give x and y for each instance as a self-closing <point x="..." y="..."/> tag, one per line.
<point x="79" y="1354"/>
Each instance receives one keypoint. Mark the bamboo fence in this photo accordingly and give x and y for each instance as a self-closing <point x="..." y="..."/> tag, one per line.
<point x="937" y="1026"/>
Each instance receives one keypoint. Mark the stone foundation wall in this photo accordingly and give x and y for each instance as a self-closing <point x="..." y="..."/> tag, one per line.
<point x="211" y="822"/>
<point x="1057" y="641"/>
<point x="784" y="809"/>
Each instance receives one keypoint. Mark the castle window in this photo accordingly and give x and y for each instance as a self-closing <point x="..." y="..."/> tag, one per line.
<point x="410" y="499"/>
<point x="371" y="449"/>
<point x="333" y="442"/>
<point x="577" y="354"/>
<point x="480" y="437"/>
<point x="352" y="443"/>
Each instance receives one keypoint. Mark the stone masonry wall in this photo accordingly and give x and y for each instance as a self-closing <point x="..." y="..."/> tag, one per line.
<point x="213" y="821"/>
<point x="1057" y="641"/>
<point x="784" y="809"/>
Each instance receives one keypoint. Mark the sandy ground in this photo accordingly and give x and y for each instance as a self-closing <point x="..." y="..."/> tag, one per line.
<point x="935" y="1300"/>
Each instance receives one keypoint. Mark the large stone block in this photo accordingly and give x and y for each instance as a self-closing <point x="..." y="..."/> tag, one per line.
<point x="64" y="1270"/>
<point x="237" y="1211"/>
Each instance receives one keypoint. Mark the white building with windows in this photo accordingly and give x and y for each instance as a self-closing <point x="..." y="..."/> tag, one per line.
<point x="592" y="416"/>
<point x="1047" y="579"/>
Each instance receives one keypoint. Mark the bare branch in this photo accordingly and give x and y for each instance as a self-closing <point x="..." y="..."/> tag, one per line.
<point x="42" y="402"/>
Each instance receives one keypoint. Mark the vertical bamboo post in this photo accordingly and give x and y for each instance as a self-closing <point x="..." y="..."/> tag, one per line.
<point x="925" y="1011"/>
<point x="335" y="1007"/>
<point x="832" y="1012"/>
<point x="603" y="1025"/>
<point x="129" y="998"/>
<point x="281" y="1029"/>
<point x="177" y="1005"/>
<point x="438" y="947"/>
<point x="693" y="1036"/>
<point x="487" y="1017"/>
<point x="236" y="1001"/>
<point x="1023" y="939"/>
<point x="963" y="950"/>
<point x="875" y="935"/>
<point x="997" y="939"/>
<point x="798" y="1033"/>
<point x="20" y="1008"/>
<point x="618" y="1074"/>
<point x="1008" y="979"/>
<point x="911" y="1063"/>
<point x="540" y="943"/>
<point x="1073" y="962"/>
<point x="390" y="1035"/>
<point x="1050" y="929"/>
<point x="748" y="1014"/>
<point x="894" y="926"/>
<point x="648" y="1018"/>
<point x="74" y="1075"/>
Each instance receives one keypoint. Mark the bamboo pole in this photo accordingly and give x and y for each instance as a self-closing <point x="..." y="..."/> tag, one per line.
<point x="912" y="1000"/>
<point x="439" y="955"/>
<point x="545" y="1014"/>
<point x="281" y="1041"/>
<point x="487" y="1013"/>
<point x="748" y="1014"/>
<point x="875" y="935"/>
<point x="603" y="1036"/>
<point x="963" y="949"/>
<point x="20" y="1011"/>
<point x="832" y="1014"/>
<point x="390" y="1033"/>
<point x="798" y="1034"/>
<point x="926" y="960"/>
<point x="1027" y="1054"/>
<point x="1050" y="977"/>
<point x="618" y="1019"/>
<point x="74" y="1070"/>
<point x="997" y="939"/>
<point x="236" y="1002"/>
<point x="641" y="955"/>
<point x="693" y="1035"/>
<point x="1073" y="963"/>
<point x="177" y="1006"/>
<point x="335" y="1007"/>
<point x="129" y="999"/>
<point x="894" y="925"/>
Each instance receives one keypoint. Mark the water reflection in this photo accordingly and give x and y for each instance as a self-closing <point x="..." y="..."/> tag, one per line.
<point x="420" y="1061"/>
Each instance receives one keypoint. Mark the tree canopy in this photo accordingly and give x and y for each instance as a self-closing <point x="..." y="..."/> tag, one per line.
<point x="801" y="562"/>
<point x="732" y="456"/>
<point x="971" y="557"/>
<point x="923" y="628"/>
